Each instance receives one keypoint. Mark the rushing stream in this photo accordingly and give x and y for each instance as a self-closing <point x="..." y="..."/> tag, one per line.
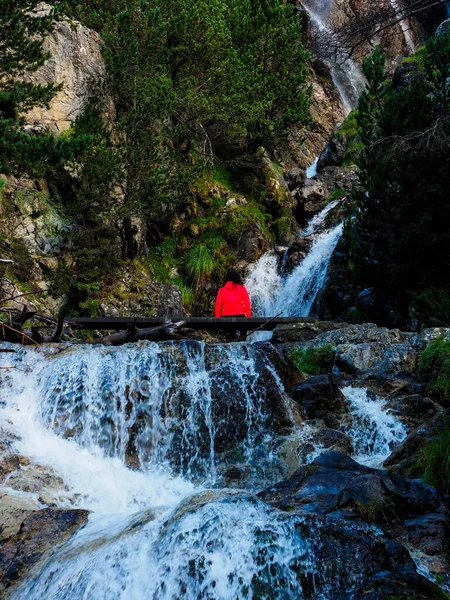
<point x="142" y="436"/>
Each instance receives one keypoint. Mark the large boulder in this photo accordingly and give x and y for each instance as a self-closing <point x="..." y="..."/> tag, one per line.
<point x="336" y="484"/>
<point x="76" y="60"/>
<point x="371" y="350"/>
<point x="39" y="534"/>
<point x="318" y="396"/>
<point x="405" y="458"/>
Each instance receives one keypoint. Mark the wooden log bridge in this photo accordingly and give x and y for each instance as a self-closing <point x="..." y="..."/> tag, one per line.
<point x="196" y="323"/>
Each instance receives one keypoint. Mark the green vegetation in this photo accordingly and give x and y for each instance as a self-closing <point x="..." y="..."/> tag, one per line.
<point x="418" y="58"/>
<point x="22" y="34"/>
<point x="435" y="360"/>
<point x="434" y="462"/>
<point x="336" y="195"/>
<point x="398" y="239"/>
<point x="198" y="87"/>
<point x="313" y="361"/>
<point x="375" y="511"/>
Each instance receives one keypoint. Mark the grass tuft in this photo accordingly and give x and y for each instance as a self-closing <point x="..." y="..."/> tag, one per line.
<point x="313" y="361"/>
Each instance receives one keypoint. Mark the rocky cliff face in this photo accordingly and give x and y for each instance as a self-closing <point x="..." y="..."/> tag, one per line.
<point x="76" y="61"/>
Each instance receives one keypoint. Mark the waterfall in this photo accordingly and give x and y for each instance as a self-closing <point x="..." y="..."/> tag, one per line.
<point x="168" y="411"/>
<point x="137" y="433"/>
<point x="375" y="432"/>
<point x="295" y="294"/>
<point x="404" y="24"/>
<point x="228" y="548"/>
<point x="346" y="74"/>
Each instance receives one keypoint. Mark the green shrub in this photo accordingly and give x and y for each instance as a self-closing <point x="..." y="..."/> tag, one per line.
<point x="432" y="307"/>
<point x="336" y="195"/>
<point x="434" y="462"/>
<point x="313" y="361"/>
<point x="161" y="259"/>
<point x="281" y="228"/>
<point x="204" y="258"/>
<point x="241" y="217"/>
<point x="435" y="361"/>
<point x="417" y="58"/>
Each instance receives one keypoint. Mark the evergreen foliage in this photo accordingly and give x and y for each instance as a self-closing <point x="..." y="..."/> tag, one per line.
<point x="198" y="86"/>
<point x="22" y="31"/>
<point x="400" y="235"/>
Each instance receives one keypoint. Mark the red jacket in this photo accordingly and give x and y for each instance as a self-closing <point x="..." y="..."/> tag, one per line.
<point x="233" y="299"/>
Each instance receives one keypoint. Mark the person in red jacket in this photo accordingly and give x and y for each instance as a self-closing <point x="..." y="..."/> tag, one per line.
<point x="233" y="301"/>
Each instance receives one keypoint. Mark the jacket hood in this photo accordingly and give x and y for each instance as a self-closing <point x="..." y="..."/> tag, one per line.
<point x="230" y="285"/>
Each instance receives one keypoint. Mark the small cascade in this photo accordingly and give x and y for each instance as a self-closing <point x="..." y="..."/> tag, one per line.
<point x="264" y="283"/>
<point x="230" y="548"/>
<point x="317" y="221"/>
<point x="295" y="294"/>
<point x="302" y="286"/>
<point x="375" y="432"/>
<point x="311" y="171"/>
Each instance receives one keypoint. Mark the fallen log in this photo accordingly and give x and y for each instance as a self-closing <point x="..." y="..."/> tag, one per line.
<point x="167" y="331"/>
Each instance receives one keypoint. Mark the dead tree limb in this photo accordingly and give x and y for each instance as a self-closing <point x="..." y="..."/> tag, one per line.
<point x="59" y="329"/>
<point x="167" y="331"/>
<point x="15" y="335"/>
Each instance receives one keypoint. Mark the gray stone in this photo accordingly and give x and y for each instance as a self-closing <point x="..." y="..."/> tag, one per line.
<point x="318" y="396"/>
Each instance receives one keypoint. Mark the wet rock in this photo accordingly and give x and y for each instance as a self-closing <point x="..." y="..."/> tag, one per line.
<point x="311" y="198"/>
<point x="297" y="252"/>
<point x="331" y="439"/>
<point x="318" y="396"/>
<point x="333" y="153"/>
<point x="295" y="178"/>
<point x="413" y="409"/>
<point x="303" y="332"/>
<point x="443" y="28"/>
<point x="38" y="536"/>
<point x="289" y="373"/>
<point x="342" y="178"/>
<point x="430" y="533"/>
<point x="360" y="562"/>
<point x="336" y="484"/>
<point x="365" y="300"/>
<point x="375" y="357"/>
<point x="401" y="586"/>
<point x="14" y="509"/>
<point x="405" y="458"/>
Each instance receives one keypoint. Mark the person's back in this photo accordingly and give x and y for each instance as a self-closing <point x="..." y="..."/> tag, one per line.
<point x="232" y="301"/>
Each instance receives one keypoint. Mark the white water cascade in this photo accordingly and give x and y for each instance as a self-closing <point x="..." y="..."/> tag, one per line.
<point x="91" y="413"/>
<point x="374" y="430"/>
<point x="137" y="433"/>
<point x="295" y="294"/>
